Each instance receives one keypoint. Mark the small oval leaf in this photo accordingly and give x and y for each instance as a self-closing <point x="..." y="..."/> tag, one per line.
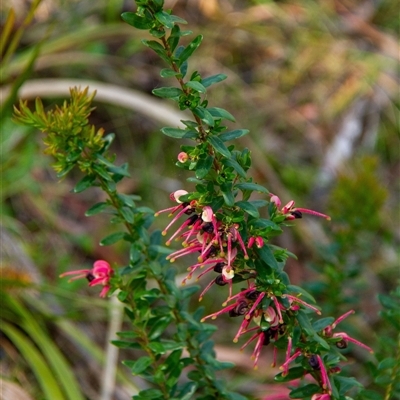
<point x="237" y="133"/>
<point x="219" y="146"/>
<point x="113" y="238"/>
<point x="167" y="92"/>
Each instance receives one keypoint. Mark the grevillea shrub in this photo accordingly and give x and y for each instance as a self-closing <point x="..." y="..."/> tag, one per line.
<point x="214" y="217"/>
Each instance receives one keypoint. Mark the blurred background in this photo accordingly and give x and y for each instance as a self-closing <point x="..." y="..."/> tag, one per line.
<point x="316" y="82"/>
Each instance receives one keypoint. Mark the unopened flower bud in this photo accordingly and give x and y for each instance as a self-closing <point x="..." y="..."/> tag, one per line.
<point x="183" y="157"/>
<point x="207" y="214"/>
<point x="177" y="194"/>
<point x="275" y="199"/>
<point x="259" y="242"/>
<point x="271" y="316"/>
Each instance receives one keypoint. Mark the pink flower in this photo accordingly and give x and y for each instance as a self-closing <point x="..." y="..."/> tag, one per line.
<point x="294" y="213"/>
<point x="100" y="274"/>
<point x="175" y="197"/>
<point x="343" y="337"/>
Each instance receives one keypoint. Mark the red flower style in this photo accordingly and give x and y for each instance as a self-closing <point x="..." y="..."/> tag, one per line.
<point x="292" y="212"/>
<point x="100" y="274"/>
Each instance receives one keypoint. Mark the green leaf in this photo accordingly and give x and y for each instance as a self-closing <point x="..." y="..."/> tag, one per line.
<point x="123" y="344"/>
<point x="217" y="112"/>
<point x="190" y="48"/>
<point x="196" y="86"/>
<point x="149" y="394"/>
<point x="322" y="323"/>
<point x="122" y="170"/>
<point x="258" y="203"/>
<point x="127" y="214"/>
<point x="322" y="342"/>
<point x="178" y="20"/>
<point x="135" y="20"/>
<point x="251" y="186"/>
<point x="158" y="48"/>
<point x="102" y="172"/>
<point x="164" y="19"/>
<point x="346" y="383"/>
<point x="188" y="291"/>
<point x="304" y="322"/>
<point x="96" y="209"/>
<point x="84" y="184"/>
<point x="237" y="133"/>
<point x="248" y="207"/>
<point x="167" y="72"/>
<point x="304" y="391"/>
<point x="389" y="362"/>
<point x="159" y="327"/>
<point x="227" y="194"/>
<point x="203" y="166"/>
<point x="176" y="132"/>
<point x="128" y="199"/>
<point x="157" y="348"/>
<point x="167" y="92"/>
<point x="206" y="82"/>
<point x="304" y="294"/>
<point x="267" y="256"/>
<point x="113" y="238"/>
<point x="230" y="162"/>
<point x="236" y="396"/>
<point x="263" y="223"/>
<point x="138" y="366"/>
<point x="219" y="146"/>
<point x="204" y="115"/>
<point x="370" y="395"/>
<point x="294" y="373"/>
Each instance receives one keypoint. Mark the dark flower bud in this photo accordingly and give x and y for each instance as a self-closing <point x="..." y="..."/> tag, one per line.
<point x="268" y="335"/>
<point x="282" y="329"/>
<point x="313" y="361"/>
<point x="218" y="267"/>
<point x="219" y="280"/>
<point x="210" y="253"/>
<point x="341" y="344"/>
<point x="240" y="309"/>
<point x="297" y="214"/>
<point x="253" y="295"/>
<point x="208" y="227"/>
<point x="193" y="219"/>
<point x="189" y="211"/>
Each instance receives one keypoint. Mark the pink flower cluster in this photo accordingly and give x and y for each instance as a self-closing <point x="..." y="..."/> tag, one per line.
<point x="100" y="274"/>
<point x="216" y="244"/>
<point x="220" y="247"/>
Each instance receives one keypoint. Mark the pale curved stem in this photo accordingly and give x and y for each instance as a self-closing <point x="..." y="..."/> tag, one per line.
<point x="106" y="93"/>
